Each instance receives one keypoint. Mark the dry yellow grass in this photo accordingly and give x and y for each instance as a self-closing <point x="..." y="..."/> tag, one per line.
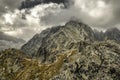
<point x="43" y="71"/>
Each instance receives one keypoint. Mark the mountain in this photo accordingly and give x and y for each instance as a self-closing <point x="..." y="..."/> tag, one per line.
<point x="62" y="38"/>
<point x="113" y="34"/>
<point x="109" y="34"/>
<point x="69" y="52"/>
<point x="32" y="3"/>
<point x="58" y="39"/>
<point x="9" y="42"/>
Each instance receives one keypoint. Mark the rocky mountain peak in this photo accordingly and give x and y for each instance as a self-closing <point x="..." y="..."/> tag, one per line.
<point x="72" y="35"/>
<point x="57" y="39"/>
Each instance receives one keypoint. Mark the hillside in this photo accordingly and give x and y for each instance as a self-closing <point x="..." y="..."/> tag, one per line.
<point x="98" y="60"/>
<point x="69" y="52"/>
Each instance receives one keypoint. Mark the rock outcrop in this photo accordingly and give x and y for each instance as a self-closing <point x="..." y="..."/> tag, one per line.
<point x="97" y="61"/>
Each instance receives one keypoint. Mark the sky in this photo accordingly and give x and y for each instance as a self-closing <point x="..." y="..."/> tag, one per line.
<point x="25" y="23"/>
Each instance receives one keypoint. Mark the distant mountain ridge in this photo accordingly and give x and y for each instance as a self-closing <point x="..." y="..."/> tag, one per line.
<point x="113" y="34"/>
<point x="110" y="34"/>
<point x="9" y="38"/>
<point x="7" y="41"/>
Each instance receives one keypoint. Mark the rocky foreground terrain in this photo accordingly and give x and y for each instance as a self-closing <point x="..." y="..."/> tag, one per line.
<point x="70" y="52"/>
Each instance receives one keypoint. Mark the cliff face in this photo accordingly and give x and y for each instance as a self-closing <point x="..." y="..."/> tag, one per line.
<point x="32" y="46"/>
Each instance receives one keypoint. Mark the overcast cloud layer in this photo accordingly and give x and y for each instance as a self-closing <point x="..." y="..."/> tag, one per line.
<point x="9" y="4"/>
<point x="101" y="14"/>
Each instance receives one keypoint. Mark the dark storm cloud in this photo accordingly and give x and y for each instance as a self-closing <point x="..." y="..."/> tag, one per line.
<point x="32" y="3"/>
